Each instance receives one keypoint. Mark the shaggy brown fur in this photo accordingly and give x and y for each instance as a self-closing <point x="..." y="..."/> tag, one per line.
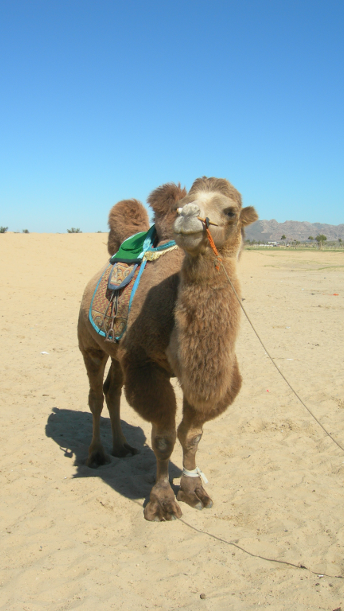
<point x="164" y="201"/>
<point x="183" y="322"/>
<point x="207" y="319"/>
<point x="125" y="219"/>
<point x="219" y="185"/>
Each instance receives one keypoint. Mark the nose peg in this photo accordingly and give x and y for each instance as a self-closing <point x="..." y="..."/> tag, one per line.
<point x="207" y="222"/>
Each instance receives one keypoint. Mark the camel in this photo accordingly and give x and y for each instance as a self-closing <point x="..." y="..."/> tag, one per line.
<point x="183" y="323"/>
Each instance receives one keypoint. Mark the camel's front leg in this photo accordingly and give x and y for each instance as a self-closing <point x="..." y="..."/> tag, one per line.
<point x="149" y="391"/>
<point x="189" y="434"/>
<point x="162" y="503"/>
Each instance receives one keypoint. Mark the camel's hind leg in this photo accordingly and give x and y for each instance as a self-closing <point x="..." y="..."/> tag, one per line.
<point x="95" y="361"/>
<point x="189" y="434"/>
<point x="150" y="393"/>
<point x="112" y="391"/>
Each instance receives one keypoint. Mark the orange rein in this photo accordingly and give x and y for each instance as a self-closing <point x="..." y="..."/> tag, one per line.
<point x="211" y="241"/>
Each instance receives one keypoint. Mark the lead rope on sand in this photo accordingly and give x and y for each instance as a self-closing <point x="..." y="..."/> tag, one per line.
<point x="242" y="549"/>
<point x="212" y="244"/>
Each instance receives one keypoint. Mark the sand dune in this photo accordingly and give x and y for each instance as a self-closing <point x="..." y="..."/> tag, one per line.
<point x="75" y="538"/>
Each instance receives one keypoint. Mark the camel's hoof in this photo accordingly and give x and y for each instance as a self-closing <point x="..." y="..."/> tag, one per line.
<point x="192" y="492"/>
<point x="162" y="505"/>
<point x="124" y="450"/>
<point x="97" y="458"/>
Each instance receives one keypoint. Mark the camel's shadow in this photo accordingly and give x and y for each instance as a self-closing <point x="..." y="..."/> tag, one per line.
<point x="133" y="476"/>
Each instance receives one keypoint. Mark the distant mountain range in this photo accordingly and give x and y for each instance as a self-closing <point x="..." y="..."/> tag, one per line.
<point x="272" y="231"/>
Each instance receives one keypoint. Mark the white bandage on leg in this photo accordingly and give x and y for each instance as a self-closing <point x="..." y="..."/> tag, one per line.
<point x="195" y="473"/>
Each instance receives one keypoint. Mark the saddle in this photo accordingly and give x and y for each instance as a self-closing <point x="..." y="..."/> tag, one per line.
<point x="116" y="288"/>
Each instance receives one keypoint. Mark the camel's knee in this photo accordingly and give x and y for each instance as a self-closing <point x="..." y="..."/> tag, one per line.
<point x="163" y="445"/>
<point x="190" y="429"/>
<point x="189" y="439"/>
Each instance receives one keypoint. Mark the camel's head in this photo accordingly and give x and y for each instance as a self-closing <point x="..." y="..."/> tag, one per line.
<point x="165" y="201"/>
<point x="218" y="200"/>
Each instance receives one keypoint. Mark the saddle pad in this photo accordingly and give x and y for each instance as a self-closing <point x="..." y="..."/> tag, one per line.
<point x="120" y="276"/>
<point x="106" y="301"/>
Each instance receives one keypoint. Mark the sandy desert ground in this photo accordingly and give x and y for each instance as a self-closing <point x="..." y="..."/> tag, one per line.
<point x="75" y="538"/>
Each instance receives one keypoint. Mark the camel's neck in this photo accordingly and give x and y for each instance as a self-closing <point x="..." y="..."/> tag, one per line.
<point x="202" y="271"/>
<point x="207" y="320"/>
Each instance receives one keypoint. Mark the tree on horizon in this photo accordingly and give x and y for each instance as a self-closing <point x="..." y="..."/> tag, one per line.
<point x="321" y="238"/>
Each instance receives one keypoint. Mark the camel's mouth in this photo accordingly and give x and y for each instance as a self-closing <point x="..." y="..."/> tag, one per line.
<point x="188" y="237"/>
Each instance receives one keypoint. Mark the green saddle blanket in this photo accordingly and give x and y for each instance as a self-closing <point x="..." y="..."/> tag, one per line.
<point x="140" y="246"/>
<point x="132" y="250"/>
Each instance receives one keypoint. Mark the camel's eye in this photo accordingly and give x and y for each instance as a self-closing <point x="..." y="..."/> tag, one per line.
<point x="230" y="212"/>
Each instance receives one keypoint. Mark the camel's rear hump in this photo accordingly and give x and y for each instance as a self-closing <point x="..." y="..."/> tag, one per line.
<point x="126" y="218"/>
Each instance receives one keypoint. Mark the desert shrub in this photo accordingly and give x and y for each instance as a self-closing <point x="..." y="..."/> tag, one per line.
<point x="26" y="231"/>
<point x="74" y="230"/>
<point x="3" y="229"/>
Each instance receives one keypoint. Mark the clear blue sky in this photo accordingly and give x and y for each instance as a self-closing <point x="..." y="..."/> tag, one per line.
<point x="102" y="100"/>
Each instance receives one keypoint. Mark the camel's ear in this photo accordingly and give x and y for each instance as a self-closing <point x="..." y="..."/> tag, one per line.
<point x="248" y="216"/>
